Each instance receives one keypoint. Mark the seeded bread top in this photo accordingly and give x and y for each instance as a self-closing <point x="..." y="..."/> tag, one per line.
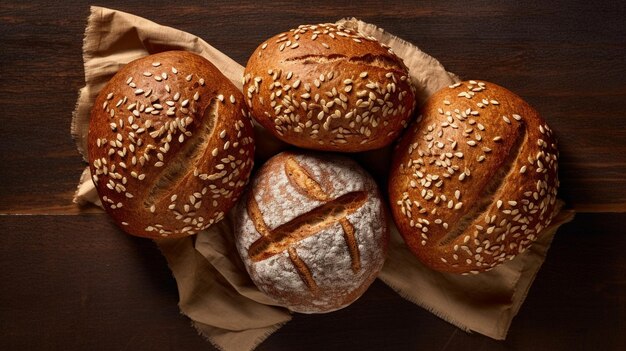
<point x="328" y="87"/>
<point x="170" y="145"/>
<point x="474" y="179"/>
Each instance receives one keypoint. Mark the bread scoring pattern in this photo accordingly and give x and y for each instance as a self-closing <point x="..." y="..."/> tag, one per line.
<point x="329" y="87"/>
<point x="474" y="180"/>
<point x="311" y="231"/>
<point x="169" y="153"/>
<point x="273" y="242"/>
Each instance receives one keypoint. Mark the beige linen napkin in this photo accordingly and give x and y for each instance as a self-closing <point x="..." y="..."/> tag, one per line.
<point x="214" y="289"/>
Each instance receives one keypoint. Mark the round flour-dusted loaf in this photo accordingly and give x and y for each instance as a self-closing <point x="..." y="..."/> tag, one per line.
<point x="170" y="145"/>
<point x="329" y="87"/>
<point x="474" y="180"/>
<point x="312" y="231"/>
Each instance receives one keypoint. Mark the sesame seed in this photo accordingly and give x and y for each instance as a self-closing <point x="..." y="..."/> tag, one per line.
<point x="232" y="99"/>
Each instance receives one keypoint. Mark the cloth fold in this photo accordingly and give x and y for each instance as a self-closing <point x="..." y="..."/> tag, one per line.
<point x="485" y="303"/>
<point x="215" y="291"/>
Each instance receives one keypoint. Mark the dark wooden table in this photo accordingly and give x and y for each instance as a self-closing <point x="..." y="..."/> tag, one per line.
<point x="71" y="280"/>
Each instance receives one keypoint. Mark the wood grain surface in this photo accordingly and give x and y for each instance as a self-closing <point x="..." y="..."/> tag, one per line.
<point x="78" y="283"/>
<point x="72" y="281"/>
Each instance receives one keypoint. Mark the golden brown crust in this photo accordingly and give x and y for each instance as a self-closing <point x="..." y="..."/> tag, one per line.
<point x="312" y="231"/>
<point x="328" y="87"/>
<point x="170" y="145"/>
<point x="474" y="179"/>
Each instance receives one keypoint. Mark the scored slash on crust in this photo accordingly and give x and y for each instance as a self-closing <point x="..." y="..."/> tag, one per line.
<point x="148" y="124"/>
<point x="191" y="152"/>
<point x="273" y="242"/>
<point x="337" y="106"/>
<point x="458" y="222"/>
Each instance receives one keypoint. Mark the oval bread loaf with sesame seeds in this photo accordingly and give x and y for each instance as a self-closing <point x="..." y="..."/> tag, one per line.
<point x="312" y="231"/>
<point x="170" y="145"/>
<point x="474" y="179"/>
<point x="328" y="87"/>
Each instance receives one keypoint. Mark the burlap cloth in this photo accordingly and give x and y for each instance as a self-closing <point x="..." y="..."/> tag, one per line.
<point x="215" y="291"/>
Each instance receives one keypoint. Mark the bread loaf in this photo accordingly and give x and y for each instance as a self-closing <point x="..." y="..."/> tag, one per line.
<point x="474" y="180"/>
<point x="328" y="87"/>
<point x="170" y="145"/>
<point x="312" y="231"/>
